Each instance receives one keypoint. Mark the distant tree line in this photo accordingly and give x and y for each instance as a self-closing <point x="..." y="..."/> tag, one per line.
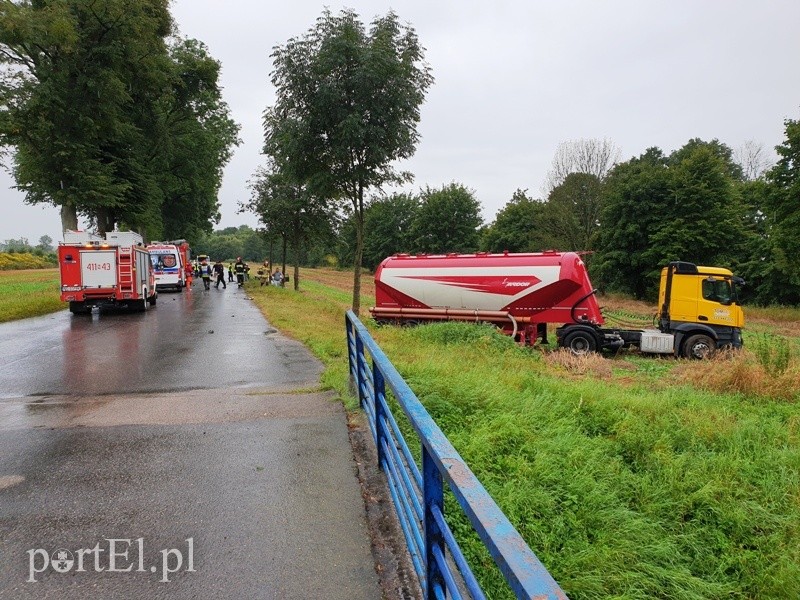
<point x="112" y="117"/>
<point x="703" y="203"/>
<point x="22" y="245"/>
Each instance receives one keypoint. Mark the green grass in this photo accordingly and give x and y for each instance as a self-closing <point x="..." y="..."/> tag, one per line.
<point x="29" y="294"/>
<point x="627" y="480"/>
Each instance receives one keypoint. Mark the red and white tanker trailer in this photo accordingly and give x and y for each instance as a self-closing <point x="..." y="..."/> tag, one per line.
<point x="523" y="293"/>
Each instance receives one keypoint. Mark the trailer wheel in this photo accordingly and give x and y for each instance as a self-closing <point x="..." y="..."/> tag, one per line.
<point x="699" y="346"/>
<point x="580" y="342"/>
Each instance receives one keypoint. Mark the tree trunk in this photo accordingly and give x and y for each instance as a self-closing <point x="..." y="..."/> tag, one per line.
<point x="271" y="248"/>
<point x="105" y="222"/>
<point x="283" y="270"/>
<point x="69" y="217"/>
<point x="296" y="250"/>
<point x="296" y="274"/>
<point x="359" y="214"/>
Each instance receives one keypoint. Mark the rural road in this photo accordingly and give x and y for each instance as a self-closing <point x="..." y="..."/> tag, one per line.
<point x="130" y="441"/>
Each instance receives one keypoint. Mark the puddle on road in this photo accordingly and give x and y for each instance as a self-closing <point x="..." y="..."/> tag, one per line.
<point x="44" y="411"/>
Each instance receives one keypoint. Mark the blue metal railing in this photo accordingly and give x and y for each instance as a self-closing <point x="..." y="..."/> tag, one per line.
<point x="418" y="492"/>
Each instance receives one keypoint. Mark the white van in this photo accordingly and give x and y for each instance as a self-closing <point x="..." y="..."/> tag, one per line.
<point x="168" y="267"/>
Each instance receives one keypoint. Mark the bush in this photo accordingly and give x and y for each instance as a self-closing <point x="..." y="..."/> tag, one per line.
<point x="774" y="353"/>
<point x="11" y="261"/>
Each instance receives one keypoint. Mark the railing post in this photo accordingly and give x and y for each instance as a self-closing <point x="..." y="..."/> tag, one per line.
<point x="350" y="333"/>
<point x="433" y="495"/>
<point x="360" y="367"/>
<point x="379" y="389"/>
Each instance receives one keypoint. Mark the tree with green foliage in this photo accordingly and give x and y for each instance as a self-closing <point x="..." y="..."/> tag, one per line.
<point x="518" y="226"/>
<point x="387" y="227"/>
<point x="635" y="193"/>
<point x="447" y="220"/>
<point x="105" y="121"/>
<point x="196" y="143"/>
<point x="347" y="107"/>
<point x="45" y="244"/>
<point x="782" y="214"/>
<point x="703" y="219"/>
<point x="289" y="209"/>
<point x="758" y="265"/>
<point x="660" y="209"/>
<point x="81" y="86"/>
<point x="228" y="243"/>
<point x="572" y="212"/>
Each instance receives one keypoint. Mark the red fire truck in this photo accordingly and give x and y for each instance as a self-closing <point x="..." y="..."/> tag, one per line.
<point x="111" y="272"/>
<point x="186" y="258"/>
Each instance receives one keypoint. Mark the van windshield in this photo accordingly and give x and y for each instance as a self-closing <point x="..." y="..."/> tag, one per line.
<point x="163" y="261"/>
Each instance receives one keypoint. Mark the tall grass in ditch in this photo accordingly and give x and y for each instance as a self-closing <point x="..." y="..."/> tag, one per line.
<point x="636" y="492"/>
<point x="768" y="371"/>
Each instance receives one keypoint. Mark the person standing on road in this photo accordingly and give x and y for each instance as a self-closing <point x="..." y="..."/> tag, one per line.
<point x="239" y="268"/>
<point x="230" y="271"/>
<point x="219" y="271"/>
<point x="189" y="275"/>
<point x="205" y="273"/>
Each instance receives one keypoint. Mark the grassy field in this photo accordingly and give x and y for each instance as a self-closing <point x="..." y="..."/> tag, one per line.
<point x="29" y="293"/>
<point x="631" y="477"/>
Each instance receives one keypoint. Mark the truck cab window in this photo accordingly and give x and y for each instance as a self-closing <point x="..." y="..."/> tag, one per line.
<point x="717" y="290"/>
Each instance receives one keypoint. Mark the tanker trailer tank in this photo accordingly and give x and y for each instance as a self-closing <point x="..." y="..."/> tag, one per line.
<point x="519" y="293"/>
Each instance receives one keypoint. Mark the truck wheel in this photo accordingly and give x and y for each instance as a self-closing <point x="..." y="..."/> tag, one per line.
<point x="580" y="342"/>
<point x="699" y="346"/>
<point x="79" y="308"/>
<point x="152" y="299"/>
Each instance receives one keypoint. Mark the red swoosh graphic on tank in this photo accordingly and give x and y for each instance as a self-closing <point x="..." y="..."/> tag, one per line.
<point x="491" y="284"/>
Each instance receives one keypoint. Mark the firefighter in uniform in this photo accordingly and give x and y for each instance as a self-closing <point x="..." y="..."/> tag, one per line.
<point x="240" y="268"/>
<point x="205" y="273"/>
<point x="219" y="271"/>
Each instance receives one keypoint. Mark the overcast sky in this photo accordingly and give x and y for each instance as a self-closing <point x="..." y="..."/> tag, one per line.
<point x="514" y="79"/>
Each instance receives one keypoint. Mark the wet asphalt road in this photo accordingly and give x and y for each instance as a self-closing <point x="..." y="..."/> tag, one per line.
<point x="149" y="429"/>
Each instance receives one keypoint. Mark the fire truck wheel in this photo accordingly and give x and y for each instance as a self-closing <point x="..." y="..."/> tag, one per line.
<point x="152" y="299"/>
<point x="699" y="346"/>
<point x="141" y="305"/>
<point x="79" y="308"/>
<point x="580" y="342"/>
